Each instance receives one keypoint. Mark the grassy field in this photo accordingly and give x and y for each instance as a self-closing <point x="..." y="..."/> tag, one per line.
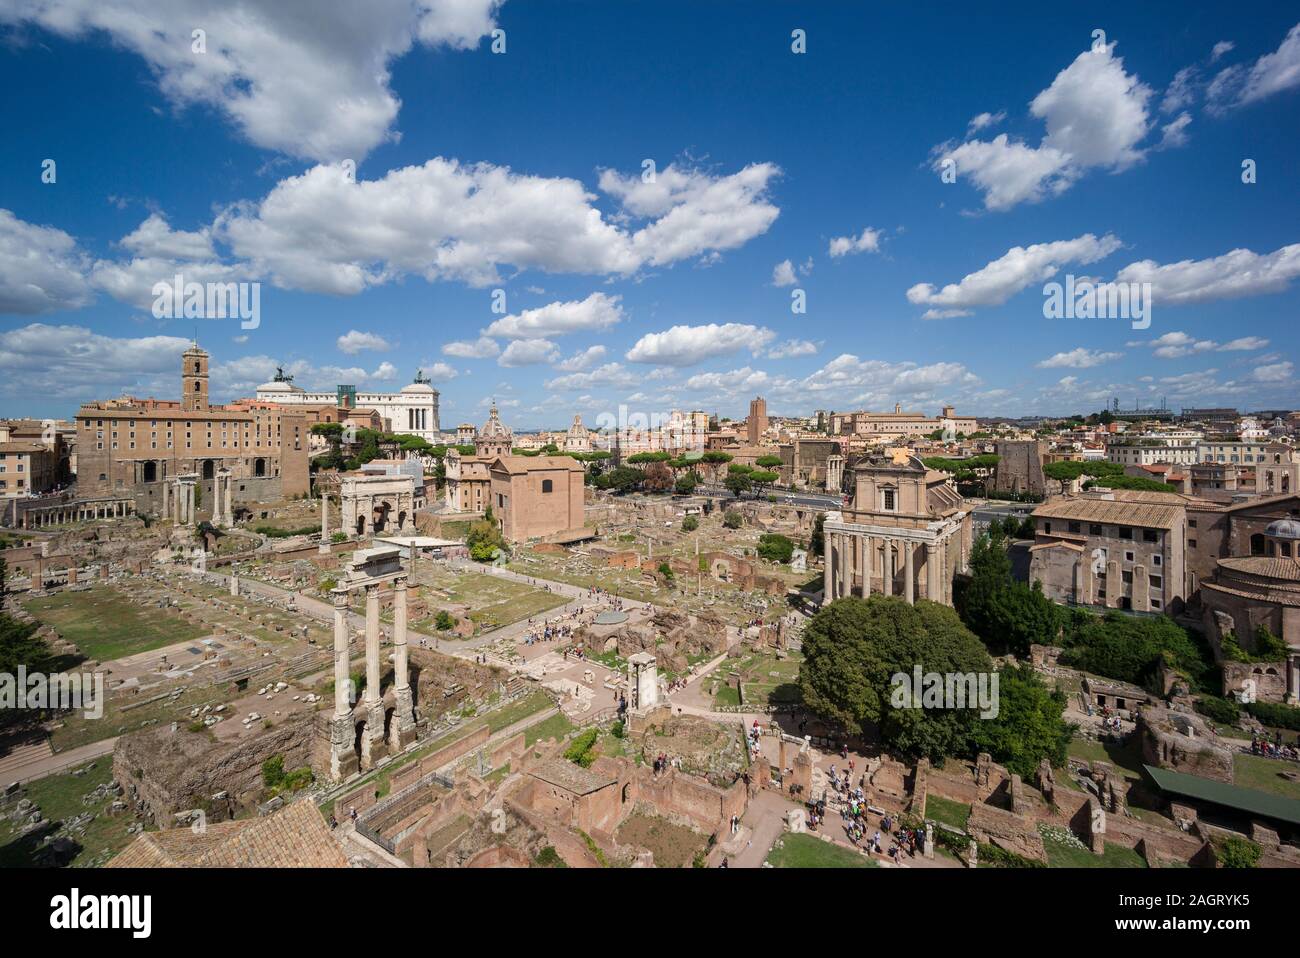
<point x="801" y="850"/>
<point x="106" y="626"/>
<point x="948" y="812"/>
<point x="59" y="797"/>
<point x="765" y="679"/>
<point x="1126" y="758"/>
<point x="557" y="726"/>
<point x="1060" y="855"/>
<point x="493" y="602"/>
<point x="1265" y="774"/>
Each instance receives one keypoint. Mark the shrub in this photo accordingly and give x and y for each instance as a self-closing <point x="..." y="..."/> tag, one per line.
<point x="580" y="750"/>
<point x="733" y="519"/>
<point x="1224" y="711"/>
<point x="273" y="771"/>
<point x="690" y="524"/>
<point x="775" y="547"/>
<point x="548" y="857"/>
<point x="666" y="570"/>
<point x="1276" y="715"/>
<point x="444" y="620"/>
<point x="1236" y="852"/>
<point x="618" y="729"/>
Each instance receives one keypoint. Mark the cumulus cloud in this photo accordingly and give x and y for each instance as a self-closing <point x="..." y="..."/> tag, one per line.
<point x="1275" y="372"/>
<point x="583" y="359"/>
<point x="688" y="345"/>
<point x="1273" y="73"/>
<point x="529" y="352"/>
<point x="1237" y="273"/>
<point x="982" y="120"/>
<point x="610" y="374"/>
<point x="1174" y="133"/>
<point x="355" y="341"/>
<point x="876" y="382"/>
<point x="41" y="269"/>
<point x="868" y="241"/>
<point x="598" y="311"/>
<point x="783" y="274"/>
<point x="481" y="348"/>
<point x="1017" y="269"/>
<point x="323" y="232"/>
<point x="318" y="90"/>
<point x="791" y="348"/>
<point x="1095" y="115"/>
<point x="1079" y="358"/>
<point x="1177" y="344"/>
<point x="737" y="380"/>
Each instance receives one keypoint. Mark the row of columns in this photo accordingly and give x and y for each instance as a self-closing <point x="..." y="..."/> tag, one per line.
<point x="344" y="733"/>
<point x="178" y="499"/>
<point x="78" y="512"/>
<point x="847" y="552"/>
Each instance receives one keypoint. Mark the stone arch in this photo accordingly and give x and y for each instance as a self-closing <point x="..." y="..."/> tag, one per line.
<point x="149" y="473"/>
<point x="259" y="467"/>
<point x="209" y="468"/>
<point x="381" y="512"/>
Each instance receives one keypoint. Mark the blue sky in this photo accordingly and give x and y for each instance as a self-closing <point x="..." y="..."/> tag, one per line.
<point x="775" y="173"/>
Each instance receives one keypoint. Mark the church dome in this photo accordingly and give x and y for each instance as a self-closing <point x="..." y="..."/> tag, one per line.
<point x="494" y="428"/>
<point x="1283" y="529"/>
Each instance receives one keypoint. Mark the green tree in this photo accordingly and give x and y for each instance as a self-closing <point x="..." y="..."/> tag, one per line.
<point x="444" y="620"/>
<point x="484" y="539"/>
<point x="775" y="547"/>
<point x="732" y="519"/>
<point x="1005" y="614"/>
<point x="685" y="485"/>
<point x="768" y="462"/>
<point x="853" y="649"/>
<point x="762" y="479"/>
<point x="738" y="483"/>
<point x="690" y="524"/>
<point x="1029" y="726"/>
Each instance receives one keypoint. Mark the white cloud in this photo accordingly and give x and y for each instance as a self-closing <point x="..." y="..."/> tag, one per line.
<point x="1175" y="132"/>
<point x="71" y="362"/>
<point x="687" y="345"/>
<point x="439" y="372"/>
<point x="315" y="87"/>
<point x="874" y="382"/>
<point x="1273" y="73"/>
<point x="597" y="311"/>
<point x="738" y="380"/>
<point x="1017" y="269"/>
<point x="1244" y="344"/>
<point x="481" y="348"/>
<point x="1079" y="358"/>
<point x="791" y="348"/>
<point x="1220" y="48"/>
<point x="355" y="341"/>
<point x="583" y="359"/>
<point x="783" y="274"/>
<point x="1277" y="372"/>
<point x="982" y="120"/>
<point x="868" y="241"/>
<point x="610" y="374"/>
<point x="529" y="352"/>
<point x="1095" y="116"/>
<point x="321" y="232"/>
<point x="1181" y="92"/>
<point x="1237" y="273"/>
<point x="41" y="269"/>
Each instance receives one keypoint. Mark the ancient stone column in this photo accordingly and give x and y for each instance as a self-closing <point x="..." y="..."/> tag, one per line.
<point x="324" y="547"/>
<point x="234" y="585"/>
<point x="887" y="569"/>
<point x="826" y="567"/>
<point x="844" y="565"/>
<point x="868" y="562"/>
<point x="907" y="572"/>
<point x="931" y="579"/>
<point x="372" y="744"/>
<point x="402" y="732"/>
<point x="1293" y="679"/>
<point x="166" y="497"/>
<point x="343" y="756"/>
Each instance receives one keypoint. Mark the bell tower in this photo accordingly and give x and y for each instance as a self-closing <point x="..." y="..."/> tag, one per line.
<point x="194" y="380"/>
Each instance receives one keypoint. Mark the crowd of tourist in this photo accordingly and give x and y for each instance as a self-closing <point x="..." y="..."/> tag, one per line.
<point x="1259" y="745"/>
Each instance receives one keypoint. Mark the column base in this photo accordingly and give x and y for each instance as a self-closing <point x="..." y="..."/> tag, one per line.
<point x="343" y="755"/>
<point x="403" y="731"/>
<point x="323" y="548"/>
<point x="373" y="746"/>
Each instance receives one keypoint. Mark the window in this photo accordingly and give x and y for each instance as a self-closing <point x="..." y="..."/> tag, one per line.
<point x="546" y="485"/>
<point x="1157" y="581"/>
<point x="1155" y="559"/>
<point x="1191" y="543"/>
<point x="1191" y="523"/>
<point x="889" y="500"/>
<point x="1125" y="532"/>
<point x="1076" y="527"/>
<point x="1095" y="530"/>
<point x="1155" y="603"/>
<point x="1126" y="576"/>
<point x="1128" y="557"/>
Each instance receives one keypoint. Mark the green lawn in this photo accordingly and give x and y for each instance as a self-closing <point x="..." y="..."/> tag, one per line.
<point x="947" y="812"/>
<point x="557" y="726"/>
<point x="106" y="626"/>
<point x="801" y="850"/>
<point x="1066" y="856"/>
<point x="1265" y="774"/>
<point x="1126" y="758"/>
<point x="59" y="799"/>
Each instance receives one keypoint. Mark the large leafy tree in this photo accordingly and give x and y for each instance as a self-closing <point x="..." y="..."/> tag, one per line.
<point x="852" y="649"/>
<point x="1006" y="614"/>
<point x="1029" y="725"/>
